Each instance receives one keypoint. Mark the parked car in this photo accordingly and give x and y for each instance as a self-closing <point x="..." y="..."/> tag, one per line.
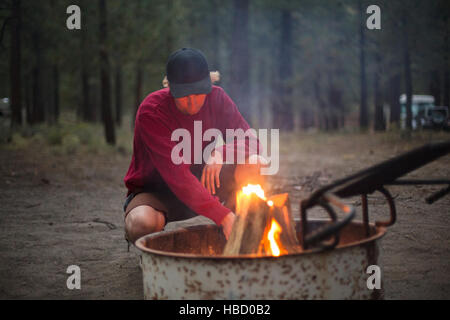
<point x="437" y="118"/>
<point x="424" y="113"/>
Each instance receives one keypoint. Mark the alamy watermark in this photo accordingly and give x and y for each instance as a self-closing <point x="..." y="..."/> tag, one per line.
<point x="73" y="22"/>
<point x="74" y="280"/>
<point x="374" y="280"/>
<point x="235" y="139"/>
<point x="373" y="22"/>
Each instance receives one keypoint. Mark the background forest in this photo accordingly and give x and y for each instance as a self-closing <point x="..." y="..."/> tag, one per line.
<point x="310" y="68"/>
<point x="291" y="64"/>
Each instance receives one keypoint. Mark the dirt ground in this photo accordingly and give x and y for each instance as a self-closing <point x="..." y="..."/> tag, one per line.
<point x="60" y="210"/>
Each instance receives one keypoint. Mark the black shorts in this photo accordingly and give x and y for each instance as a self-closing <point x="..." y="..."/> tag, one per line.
<point x="165" y="201"/>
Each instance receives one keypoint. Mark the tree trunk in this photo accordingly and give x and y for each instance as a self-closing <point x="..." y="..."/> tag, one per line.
<point x="275" y="98"/>
<point x="446" y="64"/>
<point x="138" y="90"/>
<point x="363" y="112"/>
<point x="285" y="71"/>
<point x="38" y="106"/>
<point x="334" y="107"/>
<point x="306" y="119"/>
<point x="393" y="92"/>
<point x="379" y="123"/>
<point x="323" y="117"/>
<point x="87" y="112"/>
<point x="407" y="70"/>
<point x="215" y="59"/>
<point x="38" y="103"/>
<point x="28" y="99"/>
<point x="435" y="86"/>
<point x="56" y="110"/>
<point x="118" y="92"/>
<point x="169" y="28"/>
<point x="107" y="117"/>
<point x="240" y="85"/>
<point x="15" y="65"/>
<point x="259" y="95"/>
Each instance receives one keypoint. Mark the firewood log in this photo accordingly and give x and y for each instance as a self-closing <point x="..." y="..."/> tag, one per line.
<point x="248" y="229"/>
<point x="281" y="212"/>
<point x="253" y="224"/>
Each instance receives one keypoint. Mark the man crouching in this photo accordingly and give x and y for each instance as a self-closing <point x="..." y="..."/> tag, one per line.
<point x="160" y="191"/>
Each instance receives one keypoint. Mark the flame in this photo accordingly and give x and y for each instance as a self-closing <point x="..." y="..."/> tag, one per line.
<point x="258" y="190"/>
<point x="254" y="188"/>
<point x="273" y="236"/>
<point x="271" y="239"/>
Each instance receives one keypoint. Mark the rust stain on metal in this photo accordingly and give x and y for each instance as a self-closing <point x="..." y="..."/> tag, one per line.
<point x="199" y="271"/>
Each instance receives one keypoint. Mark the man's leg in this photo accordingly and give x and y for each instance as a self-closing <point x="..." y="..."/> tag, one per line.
<point x="147" y="212"/>
<point x="143" y="220"/>
<point x="144" y="214"/>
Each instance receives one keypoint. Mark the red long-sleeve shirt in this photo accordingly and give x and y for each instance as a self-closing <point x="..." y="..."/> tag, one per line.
<point x="151" y="163"/>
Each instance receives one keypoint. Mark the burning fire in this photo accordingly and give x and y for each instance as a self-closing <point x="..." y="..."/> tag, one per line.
<point x="271" y="240"/>
<point x="254" y="188"/>
<point x="273" y="236"/>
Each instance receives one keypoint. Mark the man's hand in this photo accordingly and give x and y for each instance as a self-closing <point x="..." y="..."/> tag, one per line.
<point x="211" y="172"/>
<point x="227" y="224"/>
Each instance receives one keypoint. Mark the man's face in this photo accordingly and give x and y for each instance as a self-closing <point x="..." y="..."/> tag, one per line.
<point x="190" y="104"/>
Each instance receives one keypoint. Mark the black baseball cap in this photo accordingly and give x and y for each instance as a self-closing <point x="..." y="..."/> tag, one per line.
<point x="188" y="73"/>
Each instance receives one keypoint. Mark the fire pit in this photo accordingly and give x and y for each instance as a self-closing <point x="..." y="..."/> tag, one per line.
<point x="188" y="264"/>
<point x="332" y="261"/>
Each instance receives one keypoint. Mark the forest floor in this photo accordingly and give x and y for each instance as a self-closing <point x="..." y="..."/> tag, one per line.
<point x="65" y="208"/>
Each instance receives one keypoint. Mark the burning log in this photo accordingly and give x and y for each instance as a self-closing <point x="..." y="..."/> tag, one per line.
<point x="263" y="226"/>
<point x="249" y="226"/>
<point x="280" y="212"/>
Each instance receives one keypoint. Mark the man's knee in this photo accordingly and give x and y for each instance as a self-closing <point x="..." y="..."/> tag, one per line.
<point x="143" y="220"/>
